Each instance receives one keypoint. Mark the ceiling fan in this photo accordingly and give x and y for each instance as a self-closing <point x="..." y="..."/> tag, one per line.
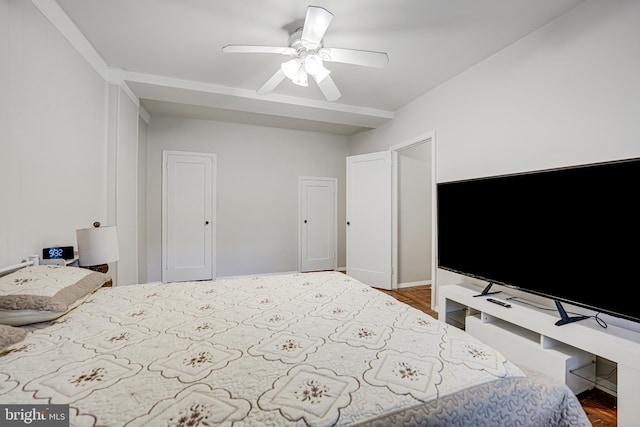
<point x="307" y="52"/>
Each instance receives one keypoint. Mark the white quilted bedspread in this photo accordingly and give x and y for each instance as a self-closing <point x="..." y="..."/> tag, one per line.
<point x="318" y="349"/>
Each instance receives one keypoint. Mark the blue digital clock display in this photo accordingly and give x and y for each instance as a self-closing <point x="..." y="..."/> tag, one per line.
<point x="58" y="252"/>
<point x="55" y="253"/>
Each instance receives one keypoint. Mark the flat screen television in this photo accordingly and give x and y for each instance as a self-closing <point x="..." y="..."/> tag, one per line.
<point x="569" y="234"/>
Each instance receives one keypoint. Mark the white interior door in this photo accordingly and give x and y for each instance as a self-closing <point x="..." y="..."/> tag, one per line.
<point x="369" y="218"/>
<point x="318" y="223"/>
<point x="188" y="216"/>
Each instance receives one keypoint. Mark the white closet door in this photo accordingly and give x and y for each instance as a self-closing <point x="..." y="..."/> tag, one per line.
<point x="188" y="216"/>
<point x="318" y="227"/>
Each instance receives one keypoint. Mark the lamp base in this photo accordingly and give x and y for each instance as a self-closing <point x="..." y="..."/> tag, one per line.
<point x="100" y="268"/>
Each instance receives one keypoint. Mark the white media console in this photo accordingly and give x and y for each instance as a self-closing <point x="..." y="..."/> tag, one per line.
<point x="529" y="337"/>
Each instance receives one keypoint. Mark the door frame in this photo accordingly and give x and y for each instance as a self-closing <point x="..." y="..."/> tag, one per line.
<point x="334" y="180"/>
<point x="164" y="231"/>
<point x="428" y="138"/>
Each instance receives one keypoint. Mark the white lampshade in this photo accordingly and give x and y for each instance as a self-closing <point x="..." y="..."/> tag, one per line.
<point x="301" y="80"/>
<point x="295" y="71"/>
<point x="97" y="245"/>
<point x="314" y="66"/>
<point x="291" y="68"/>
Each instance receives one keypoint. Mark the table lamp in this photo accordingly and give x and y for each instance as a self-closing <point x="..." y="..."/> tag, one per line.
<point x="97" y="246"/>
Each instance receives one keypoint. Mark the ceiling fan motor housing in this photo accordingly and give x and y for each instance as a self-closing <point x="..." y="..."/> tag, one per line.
<point x="295" y="41"/>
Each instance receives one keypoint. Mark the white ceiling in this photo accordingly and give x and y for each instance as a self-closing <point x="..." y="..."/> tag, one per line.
<point x="170" y="53"/>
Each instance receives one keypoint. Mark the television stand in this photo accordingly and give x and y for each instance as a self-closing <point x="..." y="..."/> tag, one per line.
<point x="529" y="337"/>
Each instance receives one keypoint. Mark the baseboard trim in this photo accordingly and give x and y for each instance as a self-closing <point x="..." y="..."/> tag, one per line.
<point x="411" y="284"/>
<point x="255" y="275"/>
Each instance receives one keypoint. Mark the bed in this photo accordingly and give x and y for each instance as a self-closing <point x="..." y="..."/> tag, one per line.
<point x="316" y="349"/>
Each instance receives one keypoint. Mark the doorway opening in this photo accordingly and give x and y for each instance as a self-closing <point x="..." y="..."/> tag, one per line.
<point x="413" y="213"/>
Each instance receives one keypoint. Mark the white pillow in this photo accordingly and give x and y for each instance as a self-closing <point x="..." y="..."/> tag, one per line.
<point x="45" y="292"/>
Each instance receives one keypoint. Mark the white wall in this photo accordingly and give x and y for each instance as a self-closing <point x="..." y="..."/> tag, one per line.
<point x="257" y="189"/>
<point x="7" y="149"/>
<point x="53" y="153"/>
<point x="123" y="142"/>
<point x="567" y="94"/>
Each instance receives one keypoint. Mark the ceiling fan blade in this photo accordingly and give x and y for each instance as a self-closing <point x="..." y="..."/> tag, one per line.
<point x="315" y="25"/>
<point x="367" y="58"/>
<point x="239" y="48"/>
<point x="272" y="83"/>
<point x="328" y="88"/>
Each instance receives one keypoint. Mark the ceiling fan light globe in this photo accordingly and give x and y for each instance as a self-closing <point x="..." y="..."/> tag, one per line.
<point x="313" y="65"/>
<point x="312" y="62"/>
<point x="291" y="68"/>
<point x="301" y="78"/>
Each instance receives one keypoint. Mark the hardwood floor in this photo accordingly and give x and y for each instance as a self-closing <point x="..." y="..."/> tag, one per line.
<point x="599" y="406"/>
<point x="416" y="296"/>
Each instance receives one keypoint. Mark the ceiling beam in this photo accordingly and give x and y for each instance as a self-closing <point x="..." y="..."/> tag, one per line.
<point x="159" y="88"/>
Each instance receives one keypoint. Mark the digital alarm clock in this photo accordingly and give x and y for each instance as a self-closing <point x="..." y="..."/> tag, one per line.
<point x="58" y="252"/>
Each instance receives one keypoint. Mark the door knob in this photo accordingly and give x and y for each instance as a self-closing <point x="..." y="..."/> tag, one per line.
<point x="206" y="223"/>
<point x="305" y="221"/>
<point x="348" y="223"/>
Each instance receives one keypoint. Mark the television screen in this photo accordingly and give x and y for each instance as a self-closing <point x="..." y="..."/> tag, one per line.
<point x="569" y="234"/>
